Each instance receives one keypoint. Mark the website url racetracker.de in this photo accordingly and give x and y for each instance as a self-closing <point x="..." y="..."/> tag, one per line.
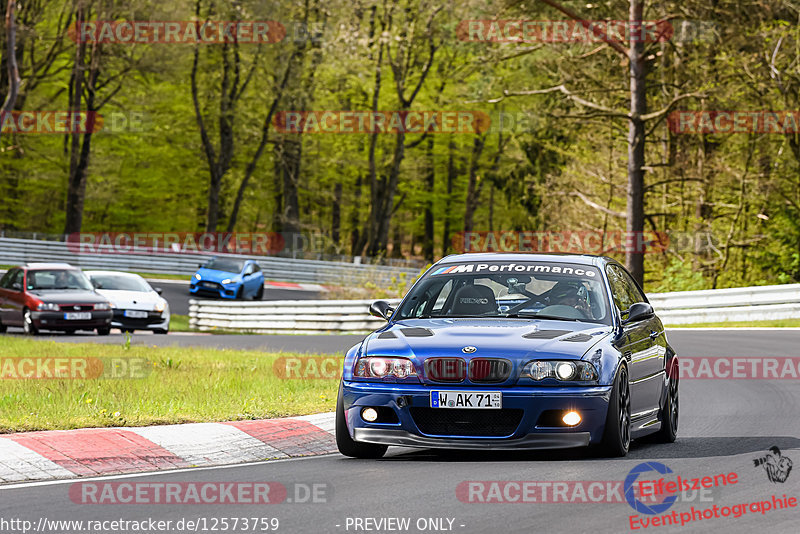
<point x="142" y="526"/>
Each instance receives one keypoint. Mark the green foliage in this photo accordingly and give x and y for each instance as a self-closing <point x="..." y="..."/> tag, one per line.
<point x="562" y="167"/>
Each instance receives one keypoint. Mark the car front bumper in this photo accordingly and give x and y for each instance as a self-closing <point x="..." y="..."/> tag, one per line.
<point x="154" y="321"/>
<point x="534" y="406"/>
<point x="54" y="320"/>
<point x="213" y="290"/>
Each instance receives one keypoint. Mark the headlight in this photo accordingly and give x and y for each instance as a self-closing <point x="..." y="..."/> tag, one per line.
<point x="226" y="281"/>
<point x="196" y="276"/>
<point x="560" y="370"/>
<point x="159" y="306"/>
<point x="47" y="306"/>
<point x="379" y="367"/>
<point x="102" y="306"/>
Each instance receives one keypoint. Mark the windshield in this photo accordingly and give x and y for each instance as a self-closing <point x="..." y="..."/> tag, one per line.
<point x="121" y="283"/>
<point x="546" y="290"/>
<point x="226" y="265"/>
<point x="58" y="279"/>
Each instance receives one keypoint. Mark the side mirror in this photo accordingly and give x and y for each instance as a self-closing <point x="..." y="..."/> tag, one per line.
<point x="16" y="286"/>
<point x="639" y="311"/>
<point x="199" y="265"/>
<point x="158" y="290"/>
<point x="97" y="284"/>
<point x="381" y="308"/>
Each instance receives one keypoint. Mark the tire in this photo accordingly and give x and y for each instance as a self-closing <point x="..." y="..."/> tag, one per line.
<point x="239" y="293"/>
<point x="160" y="331"/>
<point x="3" y="327"/>
<point x="260" y="292"/>
<point x="69" y="332"/>
<point x="104" y="331"/>
<point x="617" y="433"/>
<point x="669" y="415"/>
<point x="27" y="323"/>
<point x="347" y="446"/>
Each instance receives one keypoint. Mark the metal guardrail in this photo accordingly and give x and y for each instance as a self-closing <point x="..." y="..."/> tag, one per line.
<point x="762" y="303"/>
<point x="352" y="316"/>
<point x="17" y="251"/>
<point x="284" y="316"/>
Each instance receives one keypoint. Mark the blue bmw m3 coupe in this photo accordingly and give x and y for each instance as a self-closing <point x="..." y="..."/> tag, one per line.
<point x="511" y="351"/>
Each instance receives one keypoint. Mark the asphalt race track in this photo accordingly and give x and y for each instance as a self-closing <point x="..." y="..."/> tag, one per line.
<point x="724" y="426"/>
<point x="177" y="294"/>
<point x="688" y="341"/>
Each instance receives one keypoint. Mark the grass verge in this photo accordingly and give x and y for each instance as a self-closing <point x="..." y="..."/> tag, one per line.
<point x="778" y="323"/>
<point x="181" y="385"/>
<point x="179" y="323"/>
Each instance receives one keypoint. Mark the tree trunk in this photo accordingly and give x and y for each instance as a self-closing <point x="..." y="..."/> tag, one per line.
<point x="430" y="185"/>
<point x="451" y="177"/>
<point x="336" y="214"/>
<point x="634" y="256"/>
<point x="473" y="185"/>
<point x="78" y="153"/>
<point x="356" y="243"/>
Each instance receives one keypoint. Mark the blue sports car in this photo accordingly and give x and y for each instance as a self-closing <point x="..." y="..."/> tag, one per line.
<point x="229" y="278"/>
<point x="511" y="351"/>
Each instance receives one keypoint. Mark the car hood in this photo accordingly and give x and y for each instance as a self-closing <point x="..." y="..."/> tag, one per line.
<point x="68" y="296"/>
<point x="212" y="275"/>
<point x="131" y="300"/>
<point x="517" y="340"/>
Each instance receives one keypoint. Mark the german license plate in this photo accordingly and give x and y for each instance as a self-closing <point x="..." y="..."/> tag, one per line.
<point x="78" y="316"/>
<point x="481" y="400"/>
<point x="135" y="314"/>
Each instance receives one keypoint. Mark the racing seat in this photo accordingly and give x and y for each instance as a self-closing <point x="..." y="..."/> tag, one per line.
<point x="474" y="300"/>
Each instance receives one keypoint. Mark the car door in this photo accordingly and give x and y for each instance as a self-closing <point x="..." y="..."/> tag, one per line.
<point x="637" y="344"/>
<point x="647" y="356"/>
<point x="13" y="297"/>
<point x="5" y="282"/>
<point x="249" y="280"/>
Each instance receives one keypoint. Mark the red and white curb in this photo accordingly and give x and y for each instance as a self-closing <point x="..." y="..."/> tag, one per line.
<point x="56" y="454"/>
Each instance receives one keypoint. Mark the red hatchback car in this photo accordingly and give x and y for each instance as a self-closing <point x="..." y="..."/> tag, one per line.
<point x="52" y="296"/>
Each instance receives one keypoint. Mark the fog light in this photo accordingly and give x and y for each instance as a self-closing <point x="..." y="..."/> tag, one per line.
<point x="370" y="415"/>
<point x="571" y="418"/>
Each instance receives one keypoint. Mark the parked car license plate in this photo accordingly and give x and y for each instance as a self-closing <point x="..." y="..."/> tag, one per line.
<point x="487" y="400"/>
<point x="135" y="314"/>
<point x="78" y="316"/>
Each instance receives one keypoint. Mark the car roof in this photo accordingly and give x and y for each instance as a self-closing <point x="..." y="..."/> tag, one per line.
<point x="43" y="265"/>
<point x="580" y="259"/>
<point x="112" y="273"/>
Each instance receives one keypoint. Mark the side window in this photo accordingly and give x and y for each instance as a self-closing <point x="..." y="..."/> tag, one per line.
<point x="16" y="280"/>
<point x="5" y="282"/>
<point x="256" y="268"/>
<point x="633" y="290"/>
<point x="619" y="288"/>
<point x="442" y="298"/>
<point x="248" y="269"/>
